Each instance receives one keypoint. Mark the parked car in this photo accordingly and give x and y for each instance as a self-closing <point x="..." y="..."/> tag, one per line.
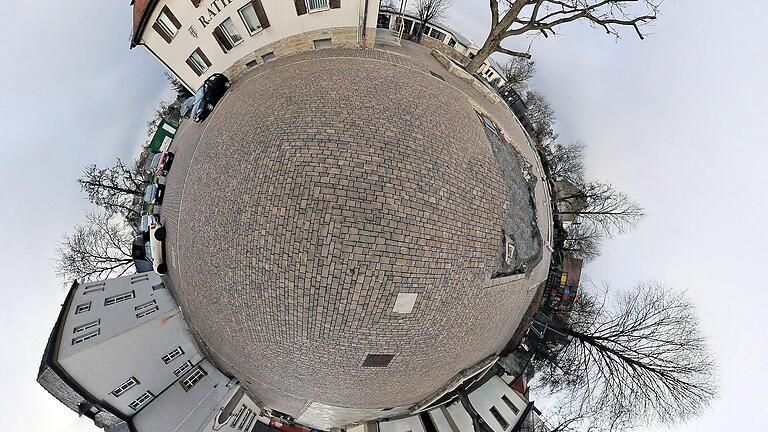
<point x="156" y="244"/>
<point x="153" y="193"/>
<point x="155" y="163"/>
<point x="208" y="95"/>
<point x="146" y="220"/>
<point x="166" y="158"/>
<point x="186" y="107"/>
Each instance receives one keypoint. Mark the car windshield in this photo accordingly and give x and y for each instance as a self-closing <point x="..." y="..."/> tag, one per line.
<point x="144" y="222"/>
<point x="199" y="94"/>
<point x="149" y="192"/>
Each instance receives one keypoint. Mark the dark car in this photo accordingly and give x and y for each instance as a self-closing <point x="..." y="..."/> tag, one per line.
<point x="208" y="95"/>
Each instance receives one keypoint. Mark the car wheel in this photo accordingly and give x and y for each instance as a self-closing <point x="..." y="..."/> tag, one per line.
<point x="160" y="233"/>
<point x="162" y="269"/>
<point x="209" y="107"/>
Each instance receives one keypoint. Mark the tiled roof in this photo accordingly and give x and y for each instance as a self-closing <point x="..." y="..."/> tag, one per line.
<point x="141" y="9"/>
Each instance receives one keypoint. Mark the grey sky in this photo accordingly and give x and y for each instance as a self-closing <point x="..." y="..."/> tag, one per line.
<point x="675" y="121"/>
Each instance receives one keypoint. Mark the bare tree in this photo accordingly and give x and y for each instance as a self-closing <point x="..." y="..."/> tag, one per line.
<point x="517" y="72"/>
<point x="636" y="356"/>
<point x="182" y="92"/>
<point x="542" y="117"/>
<point x="98" y="249"/>
<point x="543" y="17"/>
<point x="608" y="209"/>
<point x="566" y="162"/>
<point x="583" y="241"/>
<point x="390" y="6"/>
<point x="430" y="11"/>
<point x="114" y="188"/>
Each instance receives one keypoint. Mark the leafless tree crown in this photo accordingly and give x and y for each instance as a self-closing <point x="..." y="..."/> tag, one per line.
<point x="519" y="17"/>
<point x="636" y="357"/>
<point x="608" y="209"/>
<point x="517" y="72"/>
<point x="98" y="249"/>
<point x="114" y="188"/>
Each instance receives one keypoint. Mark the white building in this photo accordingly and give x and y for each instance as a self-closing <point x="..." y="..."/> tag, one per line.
<point x="195" y="38"/>
<point x="120" y="353"/>
<point x="441" y="37"/>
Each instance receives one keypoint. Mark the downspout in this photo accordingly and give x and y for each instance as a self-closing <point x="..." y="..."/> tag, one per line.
<point x="365" y="23"/>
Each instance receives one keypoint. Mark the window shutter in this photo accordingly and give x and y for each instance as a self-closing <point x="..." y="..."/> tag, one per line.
<point x="259" y="9"/>
<point x="172" y="17"/>
<point x="202" y="56"/>
<point x="191" y="64"/>
<point x="218" y="34"/>
<point x="301" y="7"/>
<point x="335" y="4"/>
<point x="159" y="29"/>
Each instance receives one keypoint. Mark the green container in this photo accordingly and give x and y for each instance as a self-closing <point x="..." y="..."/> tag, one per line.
<point x="166" y="130"/>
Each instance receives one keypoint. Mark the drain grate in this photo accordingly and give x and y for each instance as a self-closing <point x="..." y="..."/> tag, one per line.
<point x="378" y="360"/>
<point x="437" y="75"/>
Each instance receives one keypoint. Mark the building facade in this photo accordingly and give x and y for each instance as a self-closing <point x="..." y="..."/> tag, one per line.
<point x="120" y="353"/>
<point x="442" y="38"/>
<point x="196" y="38"/>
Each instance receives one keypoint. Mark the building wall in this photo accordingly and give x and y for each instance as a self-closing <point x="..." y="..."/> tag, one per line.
<point x="126" y="346"/>
<point x="177" y="409"/>
<point x="283" y="19"/>
<point x="408" y="424"/>
<point x="490" y="395"/>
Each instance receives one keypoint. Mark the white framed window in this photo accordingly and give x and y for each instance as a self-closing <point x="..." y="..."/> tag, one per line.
<point x="92" y="288"/>
<point x="86" y="326"/>
<point x="230" y="32"/>
<point x="183" y="368"/>
<point x="172" y="355"/>
<point x="83" y="307"/>
<point x="198" y="62"/>
<point x="109" y="301"/>
<point x="141" y="401"/>
<point x="193" y="378"/>
<point x="124" y="387"/>
<point x="146" y="312"/>
<point x="509" y="403"/>
<point x="145" y="305"/>
<point x="85" y="337"/>
<point x="317" y="5"/>
<point x="250" y="19"/>
<point x="499" y="418"/>
<point x="166" y="22"/>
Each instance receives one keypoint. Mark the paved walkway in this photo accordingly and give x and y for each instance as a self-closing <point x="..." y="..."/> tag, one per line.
<point x="323" y="185"/>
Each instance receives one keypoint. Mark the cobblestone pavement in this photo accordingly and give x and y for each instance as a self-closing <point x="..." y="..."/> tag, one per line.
<point x="323" y="185"/>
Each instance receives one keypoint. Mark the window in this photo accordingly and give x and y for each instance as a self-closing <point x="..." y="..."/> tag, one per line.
<point x="198" y="62"/>
<point x="84" y="307"/>
<point x="250" y="19"/>
<point x="86" y="326"/>
<point x="452" y="42"/>
<point x="437" y="34"/>
<point x="193" y="378"/>
<point x="509" y="403"/>
<point x="166" y="24"/>
<point x="238" y="416"/>
<point x="88" y="289"/>
<point x="141" y="401"/>
<point x="142" y="278"/>
<point x="124" y="387"/>
<point x="172" y="355"/>
<point x="497" y="415"/>
<point x="251" y="64"/>
<point x="146" y="312"/>
<point x="317" y="5"/>
<point x="119" y="298"/>
<point x="268" y="56"/>
<point x="230" y="31"/>
<point x="322" y="43"/>
<point x="145" y="305"/>
<point x="85" y="337"/>
<point x="183" y="368"/>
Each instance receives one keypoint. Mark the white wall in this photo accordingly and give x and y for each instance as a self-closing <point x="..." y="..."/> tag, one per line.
<point x="126" y="347"/>
<point x="489" y="395"/>
<point x="408" y="424"/>
<point x="283" y="23"/>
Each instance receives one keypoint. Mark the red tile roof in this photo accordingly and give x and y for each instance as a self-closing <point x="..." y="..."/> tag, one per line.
<point x="141" y="10"/>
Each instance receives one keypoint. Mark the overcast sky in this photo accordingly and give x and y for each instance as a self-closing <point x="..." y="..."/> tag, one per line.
<point x="675" y="121"/>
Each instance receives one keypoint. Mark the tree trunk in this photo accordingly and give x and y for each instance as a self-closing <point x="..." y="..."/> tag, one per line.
<point x="490" y="45"/>
<point x="118" y="189"/>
